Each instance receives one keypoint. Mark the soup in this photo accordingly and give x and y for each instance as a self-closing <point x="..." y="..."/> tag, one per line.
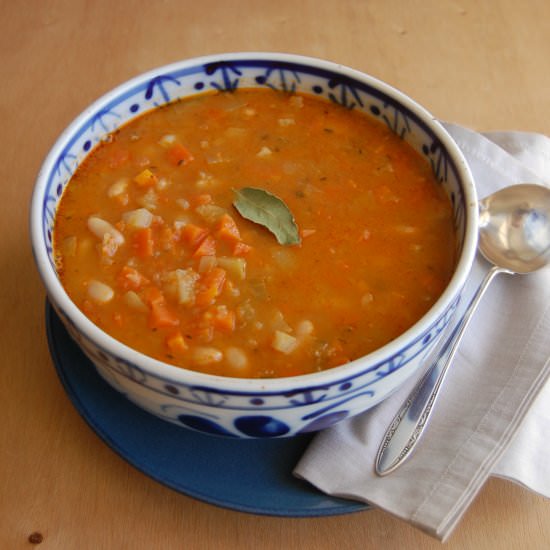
<point x="254" y="234"/>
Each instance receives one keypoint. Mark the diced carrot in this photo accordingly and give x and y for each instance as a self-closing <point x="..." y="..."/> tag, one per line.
<point x="241" y="249"/>
<point x="160" y="315"/>
<point x="223" y="319"/>
<point x="142" y="241"/>
<point x="210" y="287"/>
<point x="178" y="154"/>
<point x="146" y="178"/>
<point x="307" y="232"/>
<point x="203" y="333"/>
<point x="193" y="235"/>
<point x="206" y="248"/>
<point x="176" y="343"/>
<point x="227" y="229"/>
<point x="200" y="200"/>
<point x="130" y="278"/>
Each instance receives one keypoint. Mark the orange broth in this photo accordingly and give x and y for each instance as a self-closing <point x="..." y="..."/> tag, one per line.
<point x="151" y="249"/>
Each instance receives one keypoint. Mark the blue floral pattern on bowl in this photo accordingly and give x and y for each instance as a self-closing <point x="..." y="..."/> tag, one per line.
<point x="303" y="406"/>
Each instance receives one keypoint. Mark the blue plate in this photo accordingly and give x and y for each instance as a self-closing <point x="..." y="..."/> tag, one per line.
<point x="247" y="475"/>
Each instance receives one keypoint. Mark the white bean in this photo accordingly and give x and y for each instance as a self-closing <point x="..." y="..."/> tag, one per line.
<point x="117" y="188"/>
<point x="100" y="292"/>
<point x="99" y="227"/>
<point x="205" y="355"/>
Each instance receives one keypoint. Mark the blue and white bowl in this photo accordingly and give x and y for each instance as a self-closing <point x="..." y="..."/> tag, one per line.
<point x="255" y="408"/>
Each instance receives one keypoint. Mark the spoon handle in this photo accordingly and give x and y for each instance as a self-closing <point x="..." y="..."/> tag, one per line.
<point x="409" y="423"/>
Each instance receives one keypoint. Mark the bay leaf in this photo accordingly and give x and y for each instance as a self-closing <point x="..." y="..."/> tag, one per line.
<point x="262" y="207"/>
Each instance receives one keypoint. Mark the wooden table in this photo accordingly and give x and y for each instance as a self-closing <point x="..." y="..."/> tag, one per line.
<point x="480" y="63"/>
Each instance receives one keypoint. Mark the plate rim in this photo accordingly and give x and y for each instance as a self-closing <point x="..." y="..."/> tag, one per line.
<point x="341" y="507"/>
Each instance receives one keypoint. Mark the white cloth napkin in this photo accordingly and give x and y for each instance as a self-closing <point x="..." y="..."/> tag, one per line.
<point x="493" y="415"/>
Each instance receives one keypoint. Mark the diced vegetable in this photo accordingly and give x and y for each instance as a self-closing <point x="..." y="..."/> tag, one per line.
<point x="149" y="200"/>
<point x="210" y="286"/>
<point x="160" y="316"/>
<point x="183" y="204"/>
<point x="181" y="285"/>
<point x="236" y="358"/>
<point x="202" y="199"/>
<point x="193" y="235"/>
<point x="108" y="249"/>
<point x="145" y="178"/>
<point x="234" y="266"/>
<point x="167" y="141"/>
<point x="206" y="248"/>
<point x="245" y="312"/>
<point x="210" y="213"/>
<point x="264" y="152"/>
<point x="205" y="180"/>
<point x="206" y="263"/>
<point x="227" y="229"/>
<point x="241" y="249"/>
<point x="129" y="278"/>
<point x="283" y="342"/>
<point x="176" y="343"/>
<point x="221" y="318"/>
<point x="135" y="302"/>
<point x="142" y="242"/>
<point x="139" y="218"/>
<point x="278" y="322"/>
<point x="178" y="154"/>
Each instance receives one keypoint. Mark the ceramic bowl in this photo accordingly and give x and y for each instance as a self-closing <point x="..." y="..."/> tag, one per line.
<point x="255" y="408"/>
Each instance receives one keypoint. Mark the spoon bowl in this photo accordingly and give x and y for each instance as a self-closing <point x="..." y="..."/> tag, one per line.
<point x="514" y="227"/>
<point x="514" y="235"/>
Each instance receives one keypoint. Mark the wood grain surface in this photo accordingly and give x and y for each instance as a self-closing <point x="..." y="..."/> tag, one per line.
<point x="483" y="64"/>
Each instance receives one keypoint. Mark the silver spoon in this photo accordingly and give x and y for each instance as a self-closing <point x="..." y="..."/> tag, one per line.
<point x="514" y="235"/>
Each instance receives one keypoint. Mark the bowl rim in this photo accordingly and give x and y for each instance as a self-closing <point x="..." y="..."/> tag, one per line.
<point x="185" y="376"/>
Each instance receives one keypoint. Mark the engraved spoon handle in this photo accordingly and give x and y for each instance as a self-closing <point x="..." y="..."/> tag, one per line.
<point x="408" y="425"/>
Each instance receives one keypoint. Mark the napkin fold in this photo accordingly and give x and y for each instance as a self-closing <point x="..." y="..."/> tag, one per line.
<point x="493" y="414"/>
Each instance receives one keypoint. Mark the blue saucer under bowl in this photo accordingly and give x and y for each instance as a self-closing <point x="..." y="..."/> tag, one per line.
<point x="252" y="475"/>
